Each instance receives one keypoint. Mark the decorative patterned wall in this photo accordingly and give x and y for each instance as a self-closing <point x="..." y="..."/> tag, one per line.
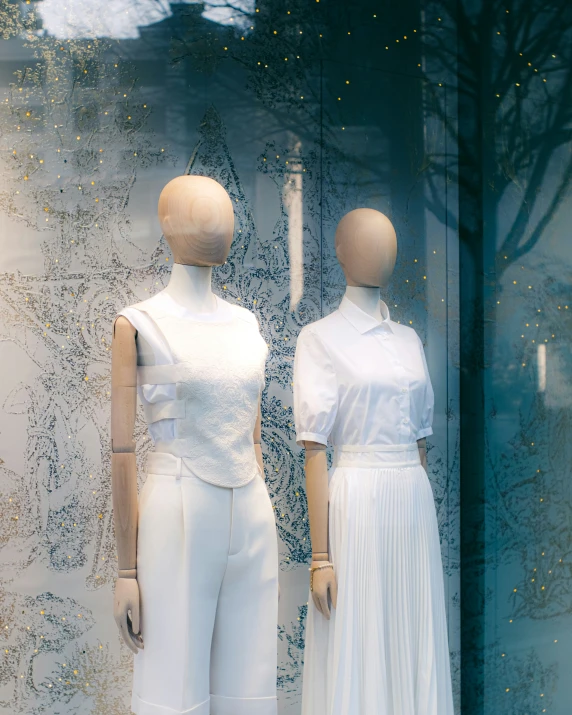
<point x="90" y="131"/>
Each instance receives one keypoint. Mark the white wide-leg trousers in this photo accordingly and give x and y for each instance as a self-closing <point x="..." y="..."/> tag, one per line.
<point x="207" y="570"/>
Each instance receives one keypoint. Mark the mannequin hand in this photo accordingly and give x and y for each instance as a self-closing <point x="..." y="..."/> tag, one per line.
<point x="126" y="612"/>
<point x="324" y="582"/>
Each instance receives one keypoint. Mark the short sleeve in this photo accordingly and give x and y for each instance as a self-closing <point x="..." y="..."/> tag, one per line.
<point x="315" y="390"/>
<point x="427" y="407"/>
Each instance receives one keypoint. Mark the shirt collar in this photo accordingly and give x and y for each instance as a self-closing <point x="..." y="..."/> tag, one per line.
<point x="361" y="320"/>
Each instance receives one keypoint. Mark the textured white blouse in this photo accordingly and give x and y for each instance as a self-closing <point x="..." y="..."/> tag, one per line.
<point x="361" y="382"/>
<point x="199" y="379"/>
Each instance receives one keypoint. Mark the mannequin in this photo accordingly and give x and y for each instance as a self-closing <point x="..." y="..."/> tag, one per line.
<point x="197" y="220"/>
<point x="366" y="248"/>
<point x="376" y="639"/>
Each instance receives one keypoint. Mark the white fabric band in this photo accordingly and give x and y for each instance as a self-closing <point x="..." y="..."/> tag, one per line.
<point x="377" y="447"/>
<point x="165" y="464"/>
<point x="377" y="456"/>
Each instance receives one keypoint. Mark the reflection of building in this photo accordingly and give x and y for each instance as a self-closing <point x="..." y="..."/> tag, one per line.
<point x="292" y="197"/>
<point x="122" y="19"/>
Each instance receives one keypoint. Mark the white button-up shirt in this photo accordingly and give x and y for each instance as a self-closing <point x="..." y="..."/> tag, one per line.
<point x="361" y="382"/>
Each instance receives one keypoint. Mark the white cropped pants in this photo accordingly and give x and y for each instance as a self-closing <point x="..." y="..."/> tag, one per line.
<point x="207" y="569"/>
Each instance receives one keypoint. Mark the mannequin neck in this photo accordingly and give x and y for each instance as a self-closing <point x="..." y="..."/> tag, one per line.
<point x="365" y="298"/>
<point x="190" y="286"/>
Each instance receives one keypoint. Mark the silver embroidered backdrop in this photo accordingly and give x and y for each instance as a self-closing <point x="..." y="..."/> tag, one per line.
<point x="92" y="125"/>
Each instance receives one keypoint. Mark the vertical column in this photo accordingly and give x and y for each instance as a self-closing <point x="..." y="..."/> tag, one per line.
<point x="471" y="71"/>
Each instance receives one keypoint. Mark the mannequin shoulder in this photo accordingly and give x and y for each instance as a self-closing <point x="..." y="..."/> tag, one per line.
<point x="406" y="332"/>
<point x="142" y="305"/>
<point x="243" y="313"/>
<point x="130" y="310"/>
<point x="322" y="328"/>
<point x="136" y="312"/>
<point x="133" y="319"/>
<point x="123" y="329"/>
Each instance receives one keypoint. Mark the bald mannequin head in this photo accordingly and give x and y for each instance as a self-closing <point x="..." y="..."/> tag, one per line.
<point x="366" y="247"/>
<point x="197" y="220"/>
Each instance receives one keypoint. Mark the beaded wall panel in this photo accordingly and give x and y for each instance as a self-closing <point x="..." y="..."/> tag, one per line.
<point x="288" y="108"/>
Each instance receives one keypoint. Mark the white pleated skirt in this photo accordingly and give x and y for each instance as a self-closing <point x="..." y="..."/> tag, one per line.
<point x="384" y="650"/>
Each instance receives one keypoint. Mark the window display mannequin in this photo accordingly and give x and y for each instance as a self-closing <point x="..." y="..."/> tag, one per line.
<point x="197" y="589"/>
<point x="376" y="638"/>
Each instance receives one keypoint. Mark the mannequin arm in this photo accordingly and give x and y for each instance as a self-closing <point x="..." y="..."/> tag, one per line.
<point x="422" y="446"/>
<point x="124" y="478"/>
<point x="318" y="506"/>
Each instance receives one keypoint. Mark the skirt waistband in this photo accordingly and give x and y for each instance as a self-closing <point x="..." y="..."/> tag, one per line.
<point x="376" y="456"/>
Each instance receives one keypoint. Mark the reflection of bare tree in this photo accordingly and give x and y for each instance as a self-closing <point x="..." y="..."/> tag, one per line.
<point x="514" y="74"/>
<point x="527" y="680"/>
<point x="515" y="71"/>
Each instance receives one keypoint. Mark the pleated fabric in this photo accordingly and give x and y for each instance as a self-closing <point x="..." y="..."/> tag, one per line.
<point x="385" y="649"/>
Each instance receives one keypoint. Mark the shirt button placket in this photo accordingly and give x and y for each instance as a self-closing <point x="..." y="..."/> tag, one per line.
<point x="406" y="406"/>
<point x="403" y="401"/>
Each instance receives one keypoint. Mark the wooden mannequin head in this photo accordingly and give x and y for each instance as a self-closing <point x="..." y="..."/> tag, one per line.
<point x="197" y="220"/>
<point x="366" y="247"/>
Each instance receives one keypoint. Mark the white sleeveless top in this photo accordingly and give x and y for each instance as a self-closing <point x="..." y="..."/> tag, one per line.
<point x="199" y="379"/>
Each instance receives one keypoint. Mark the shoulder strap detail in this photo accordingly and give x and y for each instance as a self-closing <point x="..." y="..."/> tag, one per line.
<point x="144" y="324"/>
